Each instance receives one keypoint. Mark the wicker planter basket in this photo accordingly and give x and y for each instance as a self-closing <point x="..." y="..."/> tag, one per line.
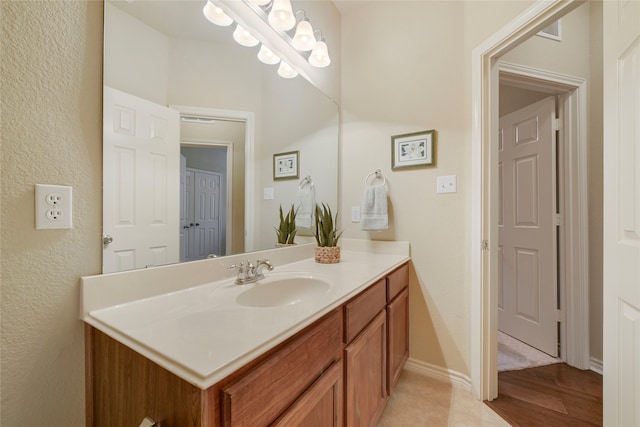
<point x="327" y="254"/>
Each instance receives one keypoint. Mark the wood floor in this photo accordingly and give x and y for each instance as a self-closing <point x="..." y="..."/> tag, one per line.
<point x="552" y="395"/>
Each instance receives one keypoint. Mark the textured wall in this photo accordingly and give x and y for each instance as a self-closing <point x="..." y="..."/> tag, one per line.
<point x="51" y="112"/>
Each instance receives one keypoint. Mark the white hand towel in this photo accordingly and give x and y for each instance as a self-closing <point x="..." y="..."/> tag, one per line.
<point x="373" y="210"/>
<point x="305" y="206"/>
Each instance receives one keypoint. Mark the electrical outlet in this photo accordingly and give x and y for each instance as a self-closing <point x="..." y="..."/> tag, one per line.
<point x="53" y="199"/>
<point x="53" y="206"/>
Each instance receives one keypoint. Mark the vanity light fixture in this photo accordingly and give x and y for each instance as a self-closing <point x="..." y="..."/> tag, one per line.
<point x="244" y="37"/>
<point x="266" y="56"/>
<point x="214" y="14"/>
<point x="320" y="54"/>
<point x="281" y="16"/>
<point x="286" y="71"/>
<point x="303" y="39"/>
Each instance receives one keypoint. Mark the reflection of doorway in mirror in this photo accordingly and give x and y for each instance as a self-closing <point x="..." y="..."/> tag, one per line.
<point x="203" y="202"/>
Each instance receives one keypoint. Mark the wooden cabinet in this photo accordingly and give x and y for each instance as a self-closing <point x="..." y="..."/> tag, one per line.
<point x="321" y="405"/>
<point x="339" y="371"/>
<point x="397" y="324"/>
<point x="365" y="375"/>
<point x="259" y="397"/>
<point x="397" y="337"/>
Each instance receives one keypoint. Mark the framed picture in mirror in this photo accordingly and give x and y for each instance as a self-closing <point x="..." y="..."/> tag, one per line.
<point x="286" y="165"/>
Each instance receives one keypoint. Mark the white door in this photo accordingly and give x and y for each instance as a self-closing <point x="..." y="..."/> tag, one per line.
<point x="188" y="246"/>
<point x="141" y="182"/>
<point x="621" y="198"/>
<point x="207" y="213"/>
<point x="184" y="220"/>
<point x="527" y="284"/>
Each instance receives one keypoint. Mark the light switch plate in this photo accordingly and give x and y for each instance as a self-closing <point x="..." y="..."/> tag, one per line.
<point x="446" y="184"/>
<point x="355" y="214"/>
<point x="268" y="193"/>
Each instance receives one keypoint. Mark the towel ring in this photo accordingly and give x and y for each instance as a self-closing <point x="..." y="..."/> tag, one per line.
<point x="378" y="174"/>
<point x="306" y="180"/>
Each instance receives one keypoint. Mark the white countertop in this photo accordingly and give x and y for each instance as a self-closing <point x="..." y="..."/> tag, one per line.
<point x="201" y="333"/>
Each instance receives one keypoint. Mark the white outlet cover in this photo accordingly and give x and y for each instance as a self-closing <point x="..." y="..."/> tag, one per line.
<point x="53" y="206"/>
<point x="446" y="184"/>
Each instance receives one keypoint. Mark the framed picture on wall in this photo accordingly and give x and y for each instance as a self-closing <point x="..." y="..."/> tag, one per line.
<point x="286" y="165"/>
<point x="413" y="150"/>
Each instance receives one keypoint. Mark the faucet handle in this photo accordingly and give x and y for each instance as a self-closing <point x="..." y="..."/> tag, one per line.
<point x="236" y="266"/>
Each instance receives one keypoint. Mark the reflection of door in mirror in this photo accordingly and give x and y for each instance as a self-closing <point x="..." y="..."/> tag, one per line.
<point x="201" y="212"/>
<point x="140" y="182"/>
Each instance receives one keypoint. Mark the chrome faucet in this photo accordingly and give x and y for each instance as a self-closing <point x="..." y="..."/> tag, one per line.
<point x="251" y="273"/>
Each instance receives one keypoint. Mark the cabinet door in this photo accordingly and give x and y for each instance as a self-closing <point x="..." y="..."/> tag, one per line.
<point x="259" y="397"/>
<point x="365" y="376"/>
<point x="398" y="337"/>
<point x="320" y="405"/>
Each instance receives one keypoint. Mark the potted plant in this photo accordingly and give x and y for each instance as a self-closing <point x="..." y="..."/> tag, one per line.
<point x="327" y="235"/>
<point x="286" y="232"/>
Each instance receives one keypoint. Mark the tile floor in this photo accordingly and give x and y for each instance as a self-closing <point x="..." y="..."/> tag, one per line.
<point x="421" y="401"/>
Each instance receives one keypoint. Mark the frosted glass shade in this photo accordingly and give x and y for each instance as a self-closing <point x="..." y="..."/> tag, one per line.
<point x="215" y="15"/>
<point x="320" y="55"/>
<point x="260" y="2"/>
<point x="304" y="39"/>
<point x="267" y="56"/>
<point x="244" y="37"/>
<point x="286" y="71"/>
<point x="281" y="16"/>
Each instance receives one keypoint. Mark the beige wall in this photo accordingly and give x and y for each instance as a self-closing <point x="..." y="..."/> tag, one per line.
<point x="416" y="76"/>
<point x="51" y="134"/>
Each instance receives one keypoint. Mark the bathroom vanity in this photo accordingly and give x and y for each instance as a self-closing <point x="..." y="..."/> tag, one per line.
<point x="311" y="344"/>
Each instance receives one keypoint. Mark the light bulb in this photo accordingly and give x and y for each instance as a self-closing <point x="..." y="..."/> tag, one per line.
<point x="244" y="37"/>
<point x="216" y="15"/>
<point x="267" y="56"/>
<point x="320" y="55"/>
<point x="286" y="71"/>
<point x="304" y="39"/>
<point x="281" y="16"/>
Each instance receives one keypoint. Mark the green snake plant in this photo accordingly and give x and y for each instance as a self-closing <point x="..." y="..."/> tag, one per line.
<point x="326" y="233"/>
<point x="286" y="232"/>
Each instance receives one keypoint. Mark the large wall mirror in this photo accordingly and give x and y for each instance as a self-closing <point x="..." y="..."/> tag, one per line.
<point x="192" y="122"/>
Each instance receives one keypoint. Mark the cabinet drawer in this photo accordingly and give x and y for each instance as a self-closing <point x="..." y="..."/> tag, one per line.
<point x="397" y="281"/>
<point x="258" y="398"/>
<point x="362" y="309"/>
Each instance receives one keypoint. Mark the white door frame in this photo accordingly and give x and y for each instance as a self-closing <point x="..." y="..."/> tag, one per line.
<point x="249" y="161"/>
<point x="573" y="202"/>
<point x="484" y="157"/>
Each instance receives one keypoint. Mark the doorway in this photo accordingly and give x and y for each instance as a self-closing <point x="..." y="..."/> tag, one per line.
<point x="485" y="79"/>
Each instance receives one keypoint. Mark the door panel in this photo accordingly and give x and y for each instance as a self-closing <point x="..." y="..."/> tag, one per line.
<point x="141" y="182"/>
<point x="527" y="302"/>
<point x="207" y="215"/>
<point x="621" y="200"/>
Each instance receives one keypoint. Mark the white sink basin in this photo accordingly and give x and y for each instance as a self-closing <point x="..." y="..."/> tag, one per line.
<point x="281" y="291"/>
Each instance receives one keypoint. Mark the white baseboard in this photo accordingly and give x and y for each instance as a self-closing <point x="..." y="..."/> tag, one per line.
<point x="596" y="365"/>
<point x="439" y="373"/>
